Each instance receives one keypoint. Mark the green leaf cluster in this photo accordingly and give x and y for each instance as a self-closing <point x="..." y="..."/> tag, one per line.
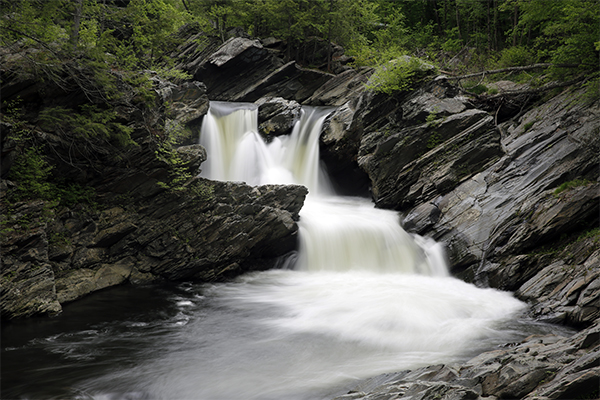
<point x="33" y="177"/>
<point x="398" y="75"/>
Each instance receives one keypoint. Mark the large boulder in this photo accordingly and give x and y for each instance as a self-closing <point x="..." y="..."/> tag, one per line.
<point x="242" y="69"/>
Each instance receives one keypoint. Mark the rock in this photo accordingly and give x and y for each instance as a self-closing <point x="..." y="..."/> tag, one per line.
<point x="28" y="289"/>
<point x="185" y="103"/>
<point x="422" y="218"/>
<point x="563" y="293"/>
<point x="277" y="116"/>
<point x="27" y="278"/>
<point x="192" y="157"/>
<point x="510" y="206"/>
<point x="405" y="172"/>
<point x="540" y="367"/>
<point x="108" y="237"/>
<point x="242" y="69"/>
<point x="341" y="89"/>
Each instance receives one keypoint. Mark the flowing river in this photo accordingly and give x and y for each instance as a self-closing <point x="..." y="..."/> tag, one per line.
<point x="362" y="297"/>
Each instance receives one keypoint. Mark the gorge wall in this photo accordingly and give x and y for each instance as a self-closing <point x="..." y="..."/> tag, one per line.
<point x="492" y="186"/>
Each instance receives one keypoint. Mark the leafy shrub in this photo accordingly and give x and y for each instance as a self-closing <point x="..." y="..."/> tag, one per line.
<point x="515" y="57"/>
<point x="31" y="171"/>
<point x="397" y="75"/>
<point x="90" y="122"/>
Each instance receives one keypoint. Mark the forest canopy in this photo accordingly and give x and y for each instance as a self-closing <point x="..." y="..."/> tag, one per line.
<point x="132" y="34"/>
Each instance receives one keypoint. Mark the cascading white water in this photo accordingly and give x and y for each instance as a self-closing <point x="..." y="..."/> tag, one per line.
<point x="238" y="153"/>
<point x="336" y="233"/>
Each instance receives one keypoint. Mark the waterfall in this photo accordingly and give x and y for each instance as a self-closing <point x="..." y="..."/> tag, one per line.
<point x="364" y="298"/>
<point x="236" y="151"/>
<point x="336" y="233"/>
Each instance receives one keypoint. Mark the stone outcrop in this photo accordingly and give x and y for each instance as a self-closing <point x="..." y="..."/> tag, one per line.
<point x="242" y="69"/>
<point x="210" y="231"/>
<point x="512" y="207"/>
<point x="539" y="367"/>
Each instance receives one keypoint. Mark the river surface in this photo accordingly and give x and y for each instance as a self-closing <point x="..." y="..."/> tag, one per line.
<point x="361" y="297"/>
<point x="279" y="334"/>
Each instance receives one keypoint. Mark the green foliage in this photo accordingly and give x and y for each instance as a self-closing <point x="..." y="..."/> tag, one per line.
<point x="180" y="174"/>
<point x="528" y="126"/>
<point x="478" y="89"/>
<point x="398" y="75"/>
<point x="33" y="177"/>
<point x="435" y="139"/>
<point x="90" y="122"/>
<point x="571" y="185"/>
<point x="202" y="190"/>
<point x="31" y="172"/>
<point x="431" y="119"/>
<point x="515" y="56"/>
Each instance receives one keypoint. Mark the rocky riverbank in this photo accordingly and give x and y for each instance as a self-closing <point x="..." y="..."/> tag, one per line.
<point x="513" y="193"/>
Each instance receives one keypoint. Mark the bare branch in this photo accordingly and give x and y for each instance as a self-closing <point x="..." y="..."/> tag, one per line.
<point x="532" y="91"/>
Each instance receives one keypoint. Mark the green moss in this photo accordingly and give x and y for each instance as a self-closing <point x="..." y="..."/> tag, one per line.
<point x="434" y="140"/>
<point x="570" y="185"/>
<point x="479" y="89"/>
<point x="528" y="126"/>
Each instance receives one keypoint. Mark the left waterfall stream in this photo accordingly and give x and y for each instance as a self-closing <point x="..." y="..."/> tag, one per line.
<point x="364" y="298"/>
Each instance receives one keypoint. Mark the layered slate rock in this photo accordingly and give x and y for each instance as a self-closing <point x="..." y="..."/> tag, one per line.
<point x="540" y="367"/>
<point x="242" y="69"/>
<point x="27" y="276"/>
<point x="209" y="231"/>
<point x="425" y="145"/>
<point x="511" y="206"/>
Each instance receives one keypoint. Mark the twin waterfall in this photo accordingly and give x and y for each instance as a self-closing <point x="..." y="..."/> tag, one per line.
<point x="336" y="233"/>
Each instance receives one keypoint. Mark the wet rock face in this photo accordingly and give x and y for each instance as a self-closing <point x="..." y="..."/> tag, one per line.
<point x="425" y="145"/>
<point x="242" y="69"/>
<point x="511" y="206"/>
<point x="277" y="116"/>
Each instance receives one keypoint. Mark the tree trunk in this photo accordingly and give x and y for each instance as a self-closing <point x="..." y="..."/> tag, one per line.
<point x="515" y="21"/>
<point x="76" y="23"/>
<point x="185" y="6"/>
<point x="457" y="18"/>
